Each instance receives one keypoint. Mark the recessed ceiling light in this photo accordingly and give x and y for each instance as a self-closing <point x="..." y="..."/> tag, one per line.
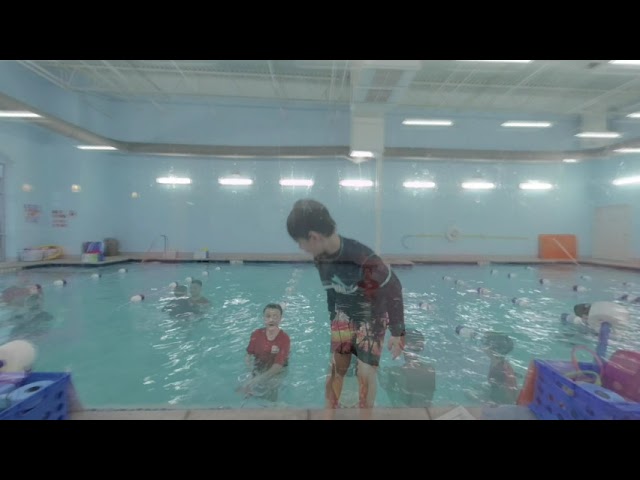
<point x="598" y="135"/>
<point x="18" y="114"/>
<point x="518" y="124"/>
<point x="424" y="122"/>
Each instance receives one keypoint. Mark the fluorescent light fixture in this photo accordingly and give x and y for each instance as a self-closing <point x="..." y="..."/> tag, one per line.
<point x="235" y="181"/>
<point x="627" y="150"/>
<point x="296" y="182"/>
<point x="418" y="184"/>
<point x="478" y="185"/>
<point x="625" y="62"/>
<point x="535" y="185"/>
<point x="424" y="122"/>
<point x="361" y="154"/>
<point x="627" y="181"/>
<point x="498" y="61"/>
<point x="570" y="160"/>
<point x="598" y="135"/>
<point x="356" y="183"/>
<point x="18" y="114"/>
<point x="174" y="180"/>
<point x="517" y="124"/>
<point x="96" y="147"/>
<point x="634" y="115"/>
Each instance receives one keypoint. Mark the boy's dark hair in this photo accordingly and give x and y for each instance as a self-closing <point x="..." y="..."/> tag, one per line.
<point x="309" y="215"/>
<point x="582" y="309"/>
<point x="412" y="340"/>
<point x="498" y="342"/>
<point x="275" y="306"/>
<point x="197" y="282"/>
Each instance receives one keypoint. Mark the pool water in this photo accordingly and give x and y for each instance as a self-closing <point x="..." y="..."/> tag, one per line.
<point x="125" y="354"/>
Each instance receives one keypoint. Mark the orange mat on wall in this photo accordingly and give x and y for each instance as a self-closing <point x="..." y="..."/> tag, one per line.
<point x="557" y="247"/>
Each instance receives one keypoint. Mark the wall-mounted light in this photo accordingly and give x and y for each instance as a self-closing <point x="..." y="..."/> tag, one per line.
<point x="478" y="185"/>
<point x="27" y="188"/>
<point x="235" y="181"/>
<point x="355" y="183"/>
<point x="570" y="160"/>
<point x="535" y="185"/>
<point x="296" y="182"/>
<point x="76" y="188"/>
<point x="361" y="154"/>
<point x="173" y="180"/>
<point x="419" y="184"/>
<point x="626" y="181"/>
<point x="135" y="195"/>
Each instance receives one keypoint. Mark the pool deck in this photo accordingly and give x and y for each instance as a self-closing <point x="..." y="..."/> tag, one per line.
<point x="432" y="413"/>
<point x="395" y="260"/>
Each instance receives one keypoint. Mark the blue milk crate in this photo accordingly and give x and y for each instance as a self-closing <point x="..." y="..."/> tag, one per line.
<point x="560" y="398"/>
<point x="50" y="403"/>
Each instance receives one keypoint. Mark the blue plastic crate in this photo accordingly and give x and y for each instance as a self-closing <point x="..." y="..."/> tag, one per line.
<point x="50" y="403"/>
<point x="559" y="398"/>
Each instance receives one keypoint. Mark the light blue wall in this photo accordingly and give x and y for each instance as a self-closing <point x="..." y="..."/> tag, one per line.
<point x="602" y="192"/>
<point x="50" y="165"/>
<point x="251" y="219"/>
<point x="505" y="211"/>
<point x="229" y="219"/>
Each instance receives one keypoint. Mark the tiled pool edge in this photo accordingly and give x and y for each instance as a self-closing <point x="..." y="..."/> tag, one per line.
<point x="396" y="261"/>
<point x="431" y="413"/>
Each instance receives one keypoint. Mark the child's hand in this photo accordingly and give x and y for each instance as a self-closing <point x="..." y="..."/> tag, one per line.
<point x="396" y="344"/>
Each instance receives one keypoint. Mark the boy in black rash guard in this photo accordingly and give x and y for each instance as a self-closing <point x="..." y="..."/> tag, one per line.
<point x="363" y="295"/>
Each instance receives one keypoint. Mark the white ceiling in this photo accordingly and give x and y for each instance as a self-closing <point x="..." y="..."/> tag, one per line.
<point x="540" y="87"/>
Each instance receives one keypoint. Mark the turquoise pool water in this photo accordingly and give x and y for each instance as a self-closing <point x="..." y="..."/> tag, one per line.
<point x="133" y="355"/>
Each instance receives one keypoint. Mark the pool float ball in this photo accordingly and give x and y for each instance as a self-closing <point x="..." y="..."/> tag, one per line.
<point x="95" y="275"/>
<point x="137" y="298"/>
<point x="61" y="282"/>
<point x="123" y="270"/>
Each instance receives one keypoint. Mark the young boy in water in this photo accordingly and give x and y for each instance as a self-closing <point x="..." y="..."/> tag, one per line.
<point x="503" y="386"/>
<point x="411" y="384"/>
<point x="267" y="356"/>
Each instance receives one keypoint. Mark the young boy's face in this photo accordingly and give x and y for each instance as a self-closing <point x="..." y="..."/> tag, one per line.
<point x="272" y="317"/>
<point x="313" y="244"/>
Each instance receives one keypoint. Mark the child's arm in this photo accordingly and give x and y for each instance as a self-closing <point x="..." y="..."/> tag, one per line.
<point x="503" y="385"/>
<point x="251" y="350"/>
<point x="248" y="360"/>
<point x="385" y="292"/>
